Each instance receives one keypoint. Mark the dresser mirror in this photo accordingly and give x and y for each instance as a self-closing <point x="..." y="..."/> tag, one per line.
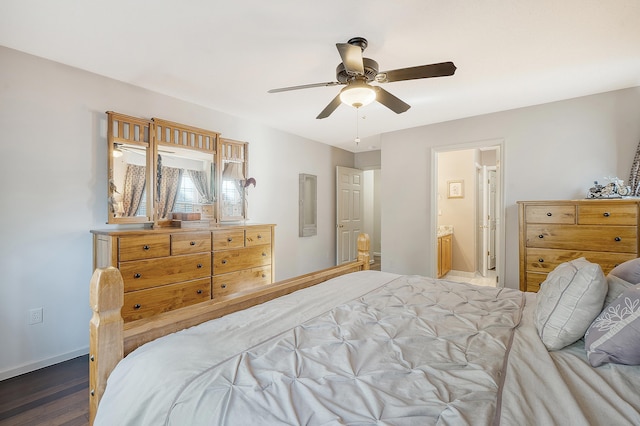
<point x="129" y="169"/>
<point x="233" y="201"/>
<point x="158" y="167"/>
<point x="185" y="182"/>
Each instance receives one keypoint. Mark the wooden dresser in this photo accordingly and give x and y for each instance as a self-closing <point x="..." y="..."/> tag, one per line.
<point x="603" y="231"/>
<point x="169" y="268"/>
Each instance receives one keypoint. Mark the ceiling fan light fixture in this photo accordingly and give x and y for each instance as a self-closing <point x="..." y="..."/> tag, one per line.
<point x="357" y="94"/>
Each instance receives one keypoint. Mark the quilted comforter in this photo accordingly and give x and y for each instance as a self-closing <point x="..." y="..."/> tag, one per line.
<point x="367" y="348"/>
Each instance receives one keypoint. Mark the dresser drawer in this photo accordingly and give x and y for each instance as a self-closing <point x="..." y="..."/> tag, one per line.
<point x="258" y="236"/>
<point x="235" y="282"/>
<point x="550" y="214"/>
<point x="546" y="260"/>
<point x="586" y="237"/>
<point x="145" y="303"/>
<point x="235" y="260"/>
<point x="141" y="274"/>
<point x="608" y="214"/>
<point x="224" y="240"/>
<point x="534" y="280"/>
<point x="191" y="242"/>
<point x="143" y="247"/>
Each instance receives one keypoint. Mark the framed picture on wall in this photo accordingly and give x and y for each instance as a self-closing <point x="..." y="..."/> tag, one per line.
<point x="455" y="189"/>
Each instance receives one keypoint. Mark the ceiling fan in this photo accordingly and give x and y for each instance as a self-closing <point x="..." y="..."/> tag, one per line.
<point x="356" y="72"/>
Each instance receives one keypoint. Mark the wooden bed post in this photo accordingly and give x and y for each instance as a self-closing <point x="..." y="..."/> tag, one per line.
<point x="106" y="335"/>
<point x="363" y="250"/>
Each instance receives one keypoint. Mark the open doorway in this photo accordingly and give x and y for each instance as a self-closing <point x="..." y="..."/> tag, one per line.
<point x="467" y="200"/>
<point x="358" y="210"/>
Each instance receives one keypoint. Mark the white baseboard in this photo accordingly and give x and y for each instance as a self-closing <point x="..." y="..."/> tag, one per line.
<point x="464" y="274"/>
<point x="32" y="366"/>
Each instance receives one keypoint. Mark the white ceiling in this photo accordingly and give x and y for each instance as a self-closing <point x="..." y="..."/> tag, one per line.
<point x="226" y="54"/>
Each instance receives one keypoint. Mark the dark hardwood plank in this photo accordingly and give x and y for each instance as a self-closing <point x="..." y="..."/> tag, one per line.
<point x="55" y="395"/>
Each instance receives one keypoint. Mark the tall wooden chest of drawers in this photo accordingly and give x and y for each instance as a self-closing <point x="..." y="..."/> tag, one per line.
<point x="603" y="231"/>
<point x="169" y="268"/>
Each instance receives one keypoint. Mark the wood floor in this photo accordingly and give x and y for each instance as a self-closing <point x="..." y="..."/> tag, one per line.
<point x="56" y="395"/>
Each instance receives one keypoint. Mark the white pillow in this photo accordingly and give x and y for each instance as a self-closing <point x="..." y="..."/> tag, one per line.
<point x="568" y="301"/>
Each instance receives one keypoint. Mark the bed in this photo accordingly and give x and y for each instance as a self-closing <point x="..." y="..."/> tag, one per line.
<point x="350" y="346"/>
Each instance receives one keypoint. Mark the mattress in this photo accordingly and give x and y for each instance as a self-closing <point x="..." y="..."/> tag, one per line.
<point x="366" y="348"/>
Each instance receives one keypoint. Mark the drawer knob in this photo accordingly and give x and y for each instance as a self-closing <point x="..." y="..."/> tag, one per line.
<point x="549" y="214"/>
<point x="137" y="306"/>
<point x="224" y="261"/>
<point x="541" y="260"/>
<point x="199" y="291"/>
<point x="259" y="237"/>
<point x="264" y="254"/>
<point x="264" y="275"/>
<point x="192" y="243"/>
<point x="145" y="247"/>
<point x="136" y="275"/>
<point x="223" y="286"/>
<point x="199" y="265"/>
<point x="229" y="239"/>
<point x="606" y="214"/>
<point x="540" y="236"/>
<point x="618" y="239"/>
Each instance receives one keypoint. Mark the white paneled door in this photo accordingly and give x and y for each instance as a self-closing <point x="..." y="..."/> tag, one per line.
<point x="349" y="212"/>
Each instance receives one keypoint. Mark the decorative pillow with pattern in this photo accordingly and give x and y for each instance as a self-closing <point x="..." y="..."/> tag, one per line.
<point x="568" y="301"/>
<point x="614" y="336"/>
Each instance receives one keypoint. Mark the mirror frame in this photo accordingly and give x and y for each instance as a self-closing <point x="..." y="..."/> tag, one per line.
<point x="153" y="135"/>
<point x="116" y="134"/>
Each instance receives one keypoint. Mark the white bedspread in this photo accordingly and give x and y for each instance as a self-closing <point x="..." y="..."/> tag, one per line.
<point x="370" y="348"/>
<point x="366" y="348"/>
<point x="561" y="388"/>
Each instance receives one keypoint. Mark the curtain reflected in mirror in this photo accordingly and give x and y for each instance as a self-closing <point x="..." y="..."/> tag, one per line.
<point x="128" y="181"/>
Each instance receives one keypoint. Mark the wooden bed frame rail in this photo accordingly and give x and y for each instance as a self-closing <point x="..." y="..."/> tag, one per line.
<point x="110" y="339"/>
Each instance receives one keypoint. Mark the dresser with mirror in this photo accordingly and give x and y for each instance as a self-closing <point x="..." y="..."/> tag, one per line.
<point x="177" y="198"/>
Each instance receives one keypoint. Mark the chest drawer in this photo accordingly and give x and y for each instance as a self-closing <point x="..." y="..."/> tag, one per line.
<point x="196" y="242"/>
<point x="534" y="280"/>
<point x="145" y="303"/>
<point x="225" y="240"/>
<point x="258" y="236"/>
<point x="235" y="282"/>
<point x="587" y="237"/>
<point x="141" y="274"/>
<point x="143" y="247"/>
<point x="550" y="214"/>
<point x="546" y="260"/>
<point x="608" y="214"/>
<point x="235" y="260"/>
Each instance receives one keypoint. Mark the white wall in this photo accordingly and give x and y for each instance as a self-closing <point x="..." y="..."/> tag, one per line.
<point x="551" y="151"/>
<point x="53" y="169"/>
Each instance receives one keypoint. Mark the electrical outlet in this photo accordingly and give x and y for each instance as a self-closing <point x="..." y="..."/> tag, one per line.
<point x="35" y="316"/>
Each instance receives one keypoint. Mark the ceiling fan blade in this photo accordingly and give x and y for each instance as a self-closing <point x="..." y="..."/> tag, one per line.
<point x="351" y="58"/>
<point x="335" y="103"/>
<point x="442" y="69"/>
<point x="387" y="99"/>
<point x="303" y="86"/>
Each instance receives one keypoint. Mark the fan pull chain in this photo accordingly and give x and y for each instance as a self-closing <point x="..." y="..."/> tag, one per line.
<point x="357" y="139"/>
